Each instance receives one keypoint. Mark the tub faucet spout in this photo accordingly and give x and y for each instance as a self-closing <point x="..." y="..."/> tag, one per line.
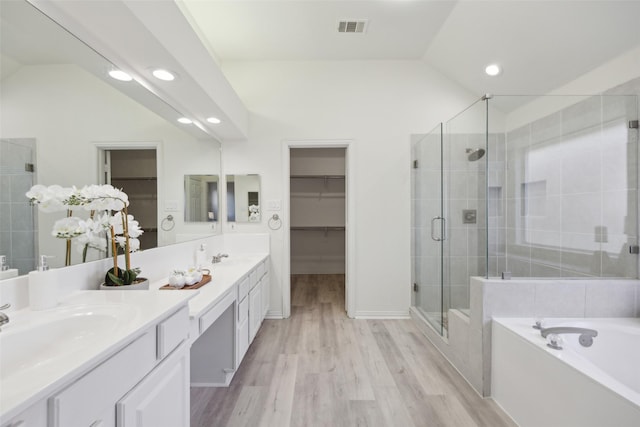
<point x="4" y="319"/>
<point x="586" y="335"/>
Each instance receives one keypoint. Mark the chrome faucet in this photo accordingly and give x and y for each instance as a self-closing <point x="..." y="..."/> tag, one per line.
<point x="4" y="319"/>
<point x="585" y="339"/>
<point x="218" y="258"/>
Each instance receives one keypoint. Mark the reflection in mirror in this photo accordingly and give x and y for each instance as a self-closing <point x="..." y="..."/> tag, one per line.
<point x="243" y="198"/>
<point x="201" y="198"/>
<point x="58" y="98"/>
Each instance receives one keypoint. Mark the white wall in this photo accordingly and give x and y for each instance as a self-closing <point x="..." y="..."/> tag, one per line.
<point x="377" y="104"/>
<point x="67" y="110"/>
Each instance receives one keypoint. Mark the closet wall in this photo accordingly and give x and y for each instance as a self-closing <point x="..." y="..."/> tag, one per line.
<point x="317" y="191"/>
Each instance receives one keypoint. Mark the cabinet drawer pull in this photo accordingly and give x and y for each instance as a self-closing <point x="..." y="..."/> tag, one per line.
<point x="98" y="423"/>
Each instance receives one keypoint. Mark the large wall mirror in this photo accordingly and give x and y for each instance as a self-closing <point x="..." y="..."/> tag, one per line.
<point x="243" y="198"/>
<point x="61" y="113"/>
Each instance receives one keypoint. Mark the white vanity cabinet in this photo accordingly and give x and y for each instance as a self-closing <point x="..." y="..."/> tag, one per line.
<point x="35" y="416"/>
<point x="228" y="326"/>
<point x="144" y="383"/>
<point x="257" y="296"/>
<point x="162" y="398"/>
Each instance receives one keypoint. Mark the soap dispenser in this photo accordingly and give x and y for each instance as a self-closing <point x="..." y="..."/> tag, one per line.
<point x="5" y="271"/>
<point x="201" y="256"/>
<point x="43" y="289"/>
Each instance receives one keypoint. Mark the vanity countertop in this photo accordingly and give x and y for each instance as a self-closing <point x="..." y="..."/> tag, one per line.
<point x="224" y="275"/>
<point x="40" y="351"/>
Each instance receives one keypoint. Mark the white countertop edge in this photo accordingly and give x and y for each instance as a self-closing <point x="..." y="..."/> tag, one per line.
<point x="13" y="405"/>
<point x="224" y="276"/>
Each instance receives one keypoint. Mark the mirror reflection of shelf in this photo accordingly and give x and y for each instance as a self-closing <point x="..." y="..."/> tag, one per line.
<point x="134" y="178"/>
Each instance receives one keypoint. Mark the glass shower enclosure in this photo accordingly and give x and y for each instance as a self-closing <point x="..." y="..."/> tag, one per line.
<point x="528" y="186"/>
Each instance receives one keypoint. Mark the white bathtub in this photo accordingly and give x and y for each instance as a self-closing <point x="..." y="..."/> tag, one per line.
<point x="578" y="386"/>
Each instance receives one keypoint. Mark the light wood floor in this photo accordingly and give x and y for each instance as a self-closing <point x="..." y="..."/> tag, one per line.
<point x="320" y="368"/>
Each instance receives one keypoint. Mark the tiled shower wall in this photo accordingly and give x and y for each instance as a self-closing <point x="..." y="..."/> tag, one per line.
<point x="17" y="222"/>
<point x="571" y="192"/>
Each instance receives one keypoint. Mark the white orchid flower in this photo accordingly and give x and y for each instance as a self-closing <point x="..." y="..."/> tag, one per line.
<point x="134" y="245"/>
<point x="49" y="199"/>
<point x="69" y="228"/>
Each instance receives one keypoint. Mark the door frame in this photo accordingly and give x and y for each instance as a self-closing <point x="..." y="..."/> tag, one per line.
<point x="350" y="207"/>
<point x="101" y="147"/>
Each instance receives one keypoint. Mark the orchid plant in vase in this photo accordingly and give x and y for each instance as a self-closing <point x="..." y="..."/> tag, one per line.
<point x="109" y="226"/>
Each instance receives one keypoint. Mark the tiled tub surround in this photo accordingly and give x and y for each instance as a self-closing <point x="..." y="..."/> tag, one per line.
<point x="568" y="184"/>
<point x="468" y="345"/>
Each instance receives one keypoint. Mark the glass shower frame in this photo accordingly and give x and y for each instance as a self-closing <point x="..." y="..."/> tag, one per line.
<point x="554" y="196"/>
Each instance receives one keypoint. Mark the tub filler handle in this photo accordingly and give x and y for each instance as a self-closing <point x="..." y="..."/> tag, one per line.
<point x="585" y="339"/>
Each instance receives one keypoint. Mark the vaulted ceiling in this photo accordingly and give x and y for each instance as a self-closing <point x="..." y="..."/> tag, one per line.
<point x="541" y="45"/>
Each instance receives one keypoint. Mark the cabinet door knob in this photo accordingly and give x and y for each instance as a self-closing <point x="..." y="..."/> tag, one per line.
<point x="98" y="423"/>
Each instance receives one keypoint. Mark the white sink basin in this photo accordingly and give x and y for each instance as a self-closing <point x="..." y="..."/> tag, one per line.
<point x="59" y="333"/>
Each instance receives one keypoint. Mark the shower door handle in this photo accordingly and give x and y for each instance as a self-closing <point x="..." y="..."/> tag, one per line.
<point x="433" y="237"/>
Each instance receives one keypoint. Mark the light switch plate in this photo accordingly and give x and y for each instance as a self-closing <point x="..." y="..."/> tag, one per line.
<point x="171" y="206"/>
<point x="274" y="205"/>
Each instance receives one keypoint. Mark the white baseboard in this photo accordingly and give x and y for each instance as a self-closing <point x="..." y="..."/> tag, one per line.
<point x="274" y="315"/>
<point x="401" y="314"/>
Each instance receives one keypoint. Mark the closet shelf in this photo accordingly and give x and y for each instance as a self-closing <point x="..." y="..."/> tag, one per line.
<point x="318" y="228"/>
<point x="317" y="176"/>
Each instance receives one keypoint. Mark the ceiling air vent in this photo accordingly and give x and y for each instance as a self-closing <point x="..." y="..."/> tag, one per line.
<point x="352" y="26"/>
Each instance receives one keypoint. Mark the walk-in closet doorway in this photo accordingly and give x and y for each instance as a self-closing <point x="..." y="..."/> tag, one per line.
<point x="134" y="168"/>
<point x="318" y="216"/>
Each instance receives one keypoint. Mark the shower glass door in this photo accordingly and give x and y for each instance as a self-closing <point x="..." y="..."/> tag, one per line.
<point x="465" y="160"/>
<point x="429" y="226"/>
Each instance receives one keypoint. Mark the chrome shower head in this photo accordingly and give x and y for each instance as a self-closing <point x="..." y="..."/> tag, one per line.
<point x="475" y="154"/>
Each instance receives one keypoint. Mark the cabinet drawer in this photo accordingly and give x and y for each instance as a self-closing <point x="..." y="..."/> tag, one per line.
<point x="243" y="310"/>
<point x="172" y="331"/>
<point x="88" y="399"/>
<point x="243" y="288"/>
<point x="216" y="311"/>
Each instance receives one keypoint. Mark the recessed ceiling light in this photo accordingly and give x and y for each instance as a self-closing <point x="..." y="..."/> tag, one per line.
<point x="185" y="121"/>
<point x="493" y="69"/>
<point x="213" y="120"/>
<point x="120" y="75"/>
<point x="165" y="75"/>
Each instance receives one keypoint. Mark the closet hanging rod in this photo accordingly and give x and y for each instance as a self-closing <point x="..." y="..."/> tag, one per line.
<point x="318" y="228"/>
<point x="317" y="176"/>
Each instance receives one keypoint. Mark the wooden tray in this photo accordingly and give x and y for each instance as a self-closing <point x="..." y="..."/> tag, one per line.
<point x="206" y="278"/>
